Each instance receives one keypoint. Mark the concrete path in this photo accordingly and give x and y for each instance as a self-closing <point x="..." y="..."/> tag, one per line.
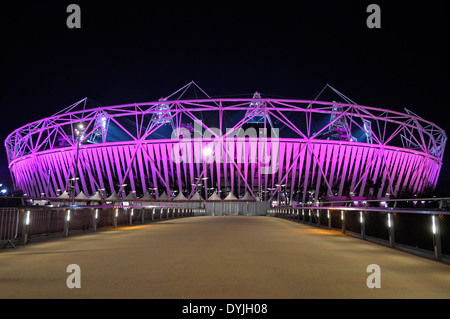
<point x="222" y="257"/>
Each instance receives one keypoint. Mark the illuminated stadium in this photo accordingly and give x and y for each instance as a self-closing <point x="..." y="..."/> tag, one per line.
<point x="218" y="149"/>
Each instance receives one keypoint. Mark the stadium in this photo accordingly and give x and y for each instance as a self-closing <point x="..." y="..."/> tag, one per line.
<point x="272" y="150"/>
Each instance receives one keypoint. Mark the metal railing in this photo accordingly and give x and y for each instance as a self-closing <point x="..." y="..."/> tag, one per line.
<point x="9" y="224"/>
<point x="28" y="223"/>
<point x="421" y="230"/>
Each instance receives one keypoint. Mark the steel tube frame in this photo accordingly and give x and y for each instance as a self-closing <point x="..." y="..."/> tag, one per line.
<point x="32" y="148"/>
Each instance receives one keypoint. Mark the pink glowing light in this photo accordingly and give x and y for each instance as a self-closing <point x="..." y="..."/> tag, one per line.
<point x="401" y="151"/>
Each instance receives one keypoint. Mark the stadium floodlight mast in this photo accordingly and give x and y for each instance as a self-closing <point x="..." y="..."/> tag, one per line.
<point x="332" y="148"/>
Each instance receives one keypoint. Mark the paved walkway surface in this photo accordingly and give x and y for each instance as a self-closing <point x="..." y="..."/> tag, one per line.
<point x="223" y="257"/>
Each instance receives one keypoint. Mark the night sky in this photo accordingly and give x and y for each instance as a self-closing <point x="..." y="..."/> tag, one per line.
<point x="129" y="51"/>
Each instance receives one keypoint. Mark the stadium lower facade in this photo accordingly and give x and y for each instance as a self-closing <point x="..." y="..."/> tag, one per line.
<point x="255" y="148"/>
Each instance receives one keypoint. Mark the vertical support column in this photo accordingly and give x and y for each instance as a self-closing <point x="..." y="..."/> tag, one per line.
<point x="143" y="216"/>
<point x="343" y="215"/>
<point x="153" y="215"/>
<point x="49" y="216"/>
<point x="329" y="219"/>
<point x="25" y="223"/>
<point x="436" y="237"/>
<point x="303" y="215"/>
<point x="362" y="219"/>
<point x="391" y="230"/>
<point x="318" y="218"/>
<point x="131" y="216"/>
<point x="310" y="217"/>
<point x="116" y="214"/>
<point x="66" y="223"/>
<point x="94" y="220"/>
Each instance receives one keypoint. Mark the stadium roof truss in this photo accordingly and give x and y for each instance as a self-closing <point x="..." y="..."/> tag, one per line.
<point x="315" y="127"/>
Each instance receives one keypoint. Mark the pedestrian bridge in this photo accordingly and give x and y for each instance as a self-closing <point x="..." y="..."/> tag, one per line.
<point x="183" y="254"/>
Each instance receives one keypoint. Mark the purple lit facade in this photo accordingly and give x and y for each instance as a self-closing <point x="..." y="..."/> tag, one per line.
<point x="269" y="149"/>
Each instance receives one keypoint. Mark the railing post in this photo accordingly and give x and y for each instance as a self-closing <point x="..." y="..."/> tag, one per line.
<point x="49" y="216"/>
<point x="310" y="217"/>
<point x="343" y="215"/>
<point x="116" y="214"/>
<point x="329" y="219"/>
<point x="391" y="230"/>
<point x="303" y="215"/>
<point x="66" y="223"/>
<point x="318" y="218"/>
<point x="94" y="220"/>
<point x="131" y="217"/>
<point x="143" y="216"/>
<point x="436" y="237"/>
<point x="363" y="224"/>
<point x="25" y="223"/>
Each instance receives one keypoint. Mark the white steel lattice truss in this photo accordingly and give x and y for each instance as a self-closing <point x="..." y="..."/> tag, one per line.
<point x="301" y="148"/>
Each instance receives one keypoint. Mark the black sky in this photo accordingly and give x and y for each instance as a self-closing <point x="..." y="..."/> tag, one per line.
<point x="132" y="51"/>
